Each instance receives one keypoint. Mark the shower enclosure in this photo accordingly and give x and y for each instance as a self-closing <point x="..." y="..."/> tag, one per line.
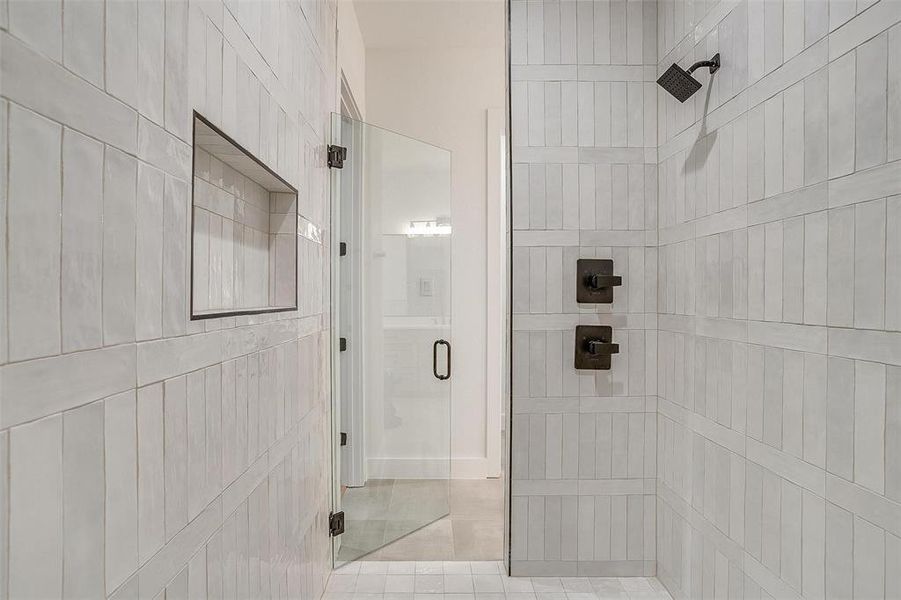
<point x="391" y="360"/>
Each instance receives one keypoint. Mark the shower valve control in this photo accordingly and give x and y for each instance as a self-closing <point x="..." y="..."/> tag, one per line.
<point x="594" y="347"/>
<point x="595" y="281"/>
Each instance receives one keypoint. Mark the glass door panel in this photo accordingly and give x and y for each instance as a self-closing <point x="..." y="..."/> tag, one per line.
<point x="391" y="296"/>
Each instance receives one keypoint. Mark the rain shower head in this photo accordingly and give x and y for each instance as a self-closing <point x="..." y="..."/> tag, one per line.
<point x="679" y="82"/>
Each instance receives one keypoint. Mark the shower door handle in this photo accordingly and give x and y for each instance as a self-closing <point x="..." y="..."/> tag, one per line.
<point x="435" y="359"/>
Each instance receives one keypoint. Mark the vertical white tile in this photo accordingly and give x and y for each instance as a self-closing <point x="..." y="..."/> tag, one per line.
<point x="122" y="63"/>
<point x="893" y="433"/>
<point x="773" y="293"/>
<point x="793" y="404"/>
<point x="151" y="58"/>
<point x="35" y="509"/>
<point x="793" y="134"/>
<point x="869" y="560"/>
<point x="791" y="530"/>
<point x="33" y="229"/>
<point x="121" y="462"/>
<point x="842" y="75"/>
<point x="773" y="34"/>
<point x="536" y="113"/>
<point x="756" y="144"/>
<point x="793" y="28"/>
<point x="793" y="270"/>
<point x="213" y="422"/>
<point x="175" y="289"/>
<point x="149" y="253"/>
<point x="119" y="193"/>
<point x="151" y="475"/>
<point x="893" y="265"/>
<point x="840" y="298"/>
<point x="4" y="174"/>
<point x="894" y="93"/>
<point x="870" y="102"/>
<point x="213" y="74"/>
<point x="815" y="261"/>
<point x="840" y="11"/>
<point x="814" y="409"/>
<point x="816" y="20"/>
<point x="816" y="126"/>
<point x="839" y="548"/>
<point x="773" y="138"/>
<point x="38" y="24"/>
<point x="177" y="117"/>
<point x="83" y="507"/>
<point x="869" y="264"/>
<point x="83" y="37"/>
<point x="176" y="455"/>
<point x="840" y="417"/>
<point x="82" y="238"/>
<point x="813" y="546"/>
<point x="869" y="425"/>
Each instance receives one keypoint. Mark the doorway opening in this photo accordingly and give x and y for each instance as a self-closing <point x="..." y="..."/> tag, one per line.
<point x="419" y="271"/>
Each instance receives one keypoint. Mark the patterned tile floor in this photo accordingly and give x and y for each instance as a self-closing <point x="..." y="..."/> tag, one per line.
<point x="461" y="580"/>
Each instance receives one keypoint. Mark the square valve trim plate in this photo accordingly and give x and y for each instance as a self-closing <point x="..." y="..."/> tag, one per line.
<point x="595" y="281"/>
<point x="594" y="346"/>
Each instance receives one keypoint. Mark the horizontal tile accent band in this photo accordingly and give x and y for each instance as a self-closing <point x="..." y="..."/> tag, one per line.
<point x="613" y="568"/>
<point x="583" y="487"/>
<point x="586" y="405"/>
<point x="556" y="322"/>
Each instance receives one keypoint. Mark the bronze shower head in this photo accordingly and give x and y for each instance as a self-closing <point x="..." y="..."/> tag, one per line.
<point x="679" y="82"/>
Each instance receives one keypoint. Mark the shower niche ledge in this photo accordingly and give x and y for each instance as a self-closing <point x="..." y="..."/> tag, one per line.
<point x="243" y="231"/>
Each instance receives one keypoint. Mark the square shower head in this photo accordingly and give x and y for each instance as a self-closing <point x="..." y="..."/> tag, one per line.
<point x="679" y="82"/>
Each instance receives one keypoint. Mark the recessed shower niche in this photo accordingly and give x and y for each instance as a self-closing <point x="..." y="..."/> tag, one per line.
<point x="243" y="231"/>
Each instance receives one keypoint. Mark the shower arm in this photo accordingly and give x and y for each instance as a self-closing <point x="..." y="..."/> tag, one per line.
<point x="713" y="63"/>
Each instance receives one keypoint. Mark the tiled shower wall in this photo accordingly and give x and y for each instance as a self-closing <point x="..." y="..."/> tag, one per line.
<point x="765" y="300"/>
<point x="143" y="453"/>
<point x="779" y="429"/>
<point x="584" y="140"/>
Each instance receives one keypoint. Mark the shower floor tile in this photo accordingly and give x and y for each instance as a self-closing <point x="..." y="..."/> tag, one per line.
<point x="476" y="580"/>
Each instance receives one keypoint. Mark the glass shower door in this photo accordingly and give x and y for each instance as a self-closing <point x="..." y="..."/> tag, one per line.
<point x="392" y="362"/>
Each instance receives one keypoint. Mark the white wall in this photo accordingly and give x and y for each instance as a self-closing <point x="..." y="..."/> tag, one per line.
<point x="142" y="453"/>
<point x="351" y="53"/>
<point x="441" y="95"/>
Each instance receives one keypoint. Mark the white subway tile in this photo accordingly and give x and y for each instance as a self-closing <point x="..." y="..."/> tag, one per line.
<point x="36" y="510"/>
<point x="151" y="478"/>
<point x="119" y="193"/>
<point x="869" y="425"/>
<point x="176" y="455"/>
<point x="122" y="55"/>
<point x="83" y="38"/>
<point x="842" y="74"/>
<point x="38" y="24"/>
<point x="33" y="221"/>
<point x="869" y="264"/>
<point x="151" y="58"/>
<point x="840" y="417"/>
<point x="149" y="253"/>
<point x="82" y="241"/>
<point x="894" y="93"/>
<point x="83" y="506"/>
<point x="121" y="464"/>
<point x="869" y="560"/>
<point x="840" y="296"/>
<point x="870" y="103"/>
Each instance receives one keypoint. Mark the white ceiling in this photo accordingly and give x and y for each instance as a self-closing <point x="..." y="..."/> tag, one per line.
<point x="431" y="23"/>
